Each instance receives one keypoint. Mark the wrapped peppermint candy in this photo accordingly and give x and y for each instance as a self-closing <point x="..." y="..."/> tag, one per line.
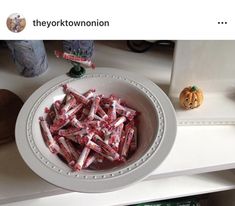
<point x="89" y="130"/>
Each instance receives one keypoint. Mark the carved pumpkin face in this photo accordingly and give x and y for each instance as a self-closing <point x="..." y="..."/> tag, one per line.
<point x="191" y="97"/>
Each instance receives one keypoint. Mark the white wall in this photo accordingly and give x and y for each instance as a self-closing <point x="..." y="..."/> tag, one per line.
<point x="207" y="64"/>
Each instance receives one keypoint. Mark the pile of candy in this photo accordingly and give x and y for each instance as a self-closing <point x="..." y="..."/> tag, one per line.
<point x="86" y="129"/>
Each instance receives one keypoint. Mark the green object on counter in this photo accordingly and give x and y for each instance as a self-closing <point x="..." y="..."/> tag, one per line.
<point x="76" y="71"/>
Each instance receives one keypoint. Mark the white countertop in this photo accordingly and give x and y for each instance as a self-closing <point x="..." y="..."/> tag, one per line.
<point x="197" y="149"/>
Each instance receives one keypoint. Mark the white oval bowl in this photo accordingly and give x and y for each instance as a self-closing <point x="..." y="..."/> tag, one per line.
<point x="156" y="130"/>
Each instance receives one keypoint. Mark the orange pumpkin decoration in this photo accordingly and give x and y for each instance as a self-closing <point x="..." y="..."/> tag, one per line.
<point x="191" y="97"/>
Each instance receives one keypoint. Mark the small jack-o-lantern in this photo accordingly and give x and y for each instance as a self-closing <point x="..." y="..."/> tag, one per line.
<point x="191" y="97"/>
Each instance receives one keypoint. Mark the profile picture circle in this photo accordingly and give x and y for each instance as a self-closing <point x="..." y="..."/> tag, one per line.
<point x="16" y="22"/>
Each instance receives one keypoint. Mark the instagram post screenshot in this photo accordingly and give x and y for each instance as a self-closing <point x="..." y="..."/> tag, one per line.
<point x="128" y="103"/>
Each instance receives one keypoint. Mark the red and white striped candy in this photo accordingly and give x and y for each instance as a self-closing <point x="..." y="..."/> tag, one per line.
<point x="92" y="145"/>
<point x="57" y="105"/>
<point x="90" y="159"/>
<point x="73" y="139"/>
<point x="117" y="122"/>
<point x="68" y="97"/>
<point x="116" y="137"/>
<point x="115" y="98"/>
<point x="68" y="132"/>
<point x="66" y="151"/>
<point x="102" y="113"/>
<point x="82" y="158"/>
<point x="128" y="138"/>
<point x="76" y="123"/>
<point x="106" y="148"/>
<point x="112" y="111"/>
<point x="72" y="149"/>
<point x="94" y="108"/>
<point x="77" y="95"/>
<point x="134" y="141"/>
<point x="77" y="139"/>
<point x="86" y="113"/>
<point x="49" y="140"/>
<point x="95" y="147"/>
<point x="84" y="122"/>
<point x="72" y="112"/>
<point x="69" y="104"/>
<point x="89" y="94"/>
<point x="55" y="109"/>
<point x="59" y="123"/>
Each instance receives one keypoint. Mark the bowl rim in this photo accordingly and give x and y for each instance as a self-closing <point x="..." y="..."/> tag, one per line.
<point x="107" y="182"/>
